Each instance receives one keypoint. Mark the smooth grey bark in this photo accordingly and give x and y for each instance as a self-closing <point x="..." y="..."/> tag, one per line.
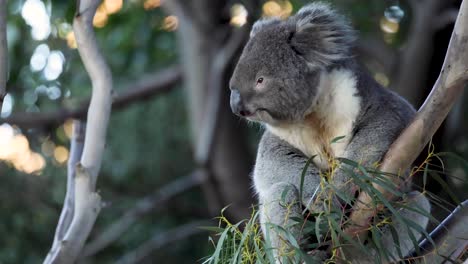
<point x="87" y="202"/>
<point x="449" y="86"/>
<point x="201" y="35"/>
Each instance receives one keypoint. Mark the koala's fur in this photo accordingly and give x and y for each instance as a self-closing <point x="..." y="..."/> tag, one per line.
<point x="299" y="79"/>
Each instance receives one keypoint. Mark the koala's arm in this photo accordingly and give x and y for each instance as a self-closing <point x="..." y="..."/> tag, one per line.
<point x="278" y="169"/>
<point x="279" y="162"/>
<point x="372" y="136"/>
<point x="369" y="144"/>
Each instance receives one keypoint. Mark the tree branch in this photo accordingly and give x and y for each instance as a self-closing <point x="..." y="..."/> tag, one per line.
<point x="3" y="51"/>
<point x="161" y="239"/>
<point x="76" y="149"/>
<point x="87" y="201"/>
<point x="403" y="152"/>
<point x="101" y="79"/>
<point x="87" y="207"/>
<point x="142" y="207"/>
<point x="147" y="87"/>
<point x="204" y="145"/>
<point x="450" y="237"/>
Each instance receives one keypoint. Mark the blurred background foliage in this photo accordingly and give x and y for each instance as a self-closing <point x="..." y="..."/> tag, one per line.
<point x="149" y="143"/>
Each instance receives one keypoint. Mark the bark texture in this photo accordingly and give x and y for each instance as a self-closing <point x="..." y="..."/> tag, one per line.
<point x="203" y="34"/>
<point x="85" y="203"/>
<point x="448" y="87"/>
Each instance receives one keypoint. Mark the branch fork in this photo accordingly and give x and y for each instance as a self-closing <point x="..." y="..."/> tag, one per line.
<point x="82" y="202"/>
<point x="402" y="153"/>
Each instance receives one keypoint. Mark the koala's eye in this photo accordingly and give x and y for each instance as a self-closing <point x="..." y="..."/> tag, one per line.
<point x="260" y="80"/>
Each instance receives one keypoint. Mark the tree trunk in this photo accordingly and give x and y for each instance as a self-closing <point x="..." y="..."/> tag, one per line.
<point x="200" y="36"/>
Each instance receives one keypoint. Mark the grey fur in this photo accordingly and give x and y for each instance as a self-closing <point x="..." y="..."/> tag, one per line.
<point x="276" y="82"/>
<point x="322" y="35"/>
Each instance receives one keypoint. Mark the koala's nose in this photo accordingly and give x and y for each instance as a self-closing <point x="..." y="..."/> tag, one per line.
<point x="237" y="105"/>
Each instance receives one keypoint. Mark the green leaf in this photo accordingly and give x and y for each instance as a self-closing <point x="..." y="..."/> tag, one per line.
<point x="245" y="234"/>
<point x="377" y="239"/>
<point x="219" y="246"/>
<point x="396" y="241"/>
<point x="268" y="246"/>
<point x="426" y="168"/>
<point x="419" y="211"/>
<point x="346" y="197"/>
<point x="317" y="227"/>
<point x="303" y="174"/>
<point x="285" y="191"/>
<point x="348" y="238"/>
<point x="337" y="139"/>
<point x="456" y="157"/>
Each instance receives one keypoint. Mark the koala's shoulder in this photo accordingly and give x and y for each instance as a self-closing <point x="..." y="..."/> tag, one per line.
<point x="271" y="144"/>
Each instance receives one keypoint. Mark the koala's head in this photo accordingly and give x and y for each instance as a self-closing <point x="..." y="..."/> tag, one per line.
<point x="278" y="73"/>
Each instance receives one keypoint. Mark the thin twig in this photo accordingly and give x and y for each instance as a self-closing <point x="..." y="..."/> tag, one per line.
<point x="142" y="207"/>
<point x="3" y="51"/>
<point x="162" y="239"/>
<point x="450" y="237"/>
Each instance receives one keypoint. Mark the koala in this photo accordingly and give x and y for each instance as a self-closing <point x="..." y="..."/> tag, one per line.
<point x="298" y="79"/>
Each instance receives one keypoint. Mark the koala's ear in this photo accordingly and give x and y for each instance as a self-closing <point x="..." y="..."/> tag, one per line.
<point x="262" y="24"/>
<point x="321" y="36"/>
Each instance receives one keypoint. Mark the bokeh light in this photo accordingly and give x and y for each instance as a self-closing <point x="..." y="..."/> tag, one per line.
<point x="30" y="97"/>
<point x="113" y="6"/>
<point x="394" y="13"/>
<point x="35" y="14"/>
<point x="238" y="15"/>
<point x="54" y="92"/>
<point x="7" y="106"/>
<point x="151" y="4"/>
<point x="39" y="58"/>
<point x="14" y="149"/>
<point x="61" y="154"/>
<point x="107" y="8"/>
<point x="54" y="66"/>
<point x="101" y="17"/>
<point x="71" y="40"/>
<point x="389" y="26"/>
<point x="382" y="79"/>
<point x="48" y="147"/>
<point x="68" y="128"/>
<point x="170" y="23"/>
<point x="281" y="9"/>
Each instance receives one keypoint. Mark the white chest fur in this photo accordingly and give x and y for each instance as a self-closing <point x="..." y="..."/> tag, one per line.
<point x="331" y="116"/>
